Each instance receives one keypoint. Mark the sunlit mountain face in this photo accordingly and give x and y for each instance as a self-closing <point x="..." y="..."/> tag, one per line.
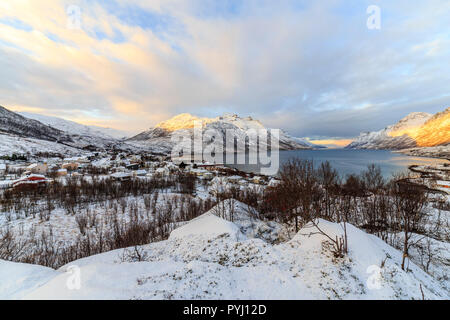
<point x="434" y="131"/>
<point x="182" y="121"/>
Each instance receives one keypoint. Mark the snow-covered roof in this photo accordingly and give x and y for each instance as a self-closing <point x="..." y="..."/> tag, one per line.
<point x="120" y="175"/>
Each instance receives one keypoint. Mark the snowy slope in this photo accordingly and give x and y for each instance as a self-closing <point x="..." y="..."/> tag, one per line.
<point x="417" y="130"/>
<point x="15" y="124"/>
<point x="160" y="136"/>
<point x="214" y="258"/>
<point x="19" y="134"/>
<point x="12" y="144"/>
<point x="75" y="128"/>
<point x="391" y="137"/>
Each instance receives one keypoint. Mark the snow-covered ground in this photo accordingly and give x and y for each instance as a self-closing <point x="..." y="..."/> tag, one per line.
<point x="229" y="253"/>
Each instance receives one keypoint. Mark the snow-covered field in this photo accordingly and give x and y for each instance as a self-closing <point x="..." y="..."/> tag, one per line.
<point x="214" y="258"/>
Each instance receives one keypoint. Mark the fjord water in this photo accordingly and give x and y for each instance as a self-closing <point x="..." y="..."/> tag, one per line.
<point x="349" y="161"/>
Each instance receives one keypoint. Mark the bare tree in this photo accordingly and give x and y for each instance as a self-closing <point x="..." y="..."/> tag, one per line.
<point x="410" y="201"/>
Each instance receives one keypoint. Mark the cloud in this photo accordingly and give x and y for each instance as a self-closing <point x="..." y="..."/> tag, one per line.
<point x="310" y="67"/>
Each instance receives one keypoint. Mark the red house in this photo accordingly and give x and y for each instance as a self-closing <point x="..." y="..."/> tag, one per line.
<point x="33" y="180"/>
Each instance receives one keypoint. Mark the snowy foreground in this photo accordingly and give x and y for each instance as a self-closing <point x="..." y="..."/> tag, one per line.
<point x="213" y="258"/>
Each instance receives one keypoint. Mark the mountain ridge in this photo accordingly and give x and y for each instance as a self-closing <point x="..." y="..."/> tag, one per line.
<point x="161" y="134"/>
<point x="20" y="134"/>
<point x="416" y="130"/>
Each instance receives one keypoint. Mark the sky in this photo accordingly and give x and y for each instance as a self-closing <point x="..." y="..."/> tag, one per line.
<point x="313" y="68"/>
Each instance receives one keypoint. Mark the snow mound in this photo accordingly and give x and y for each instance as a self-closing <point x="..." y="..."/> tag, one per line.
<point x="249" y="221"/>
<point x="372" y="267"/>
<point x="212" y="258"/>
<point x="18" y="279"/>
<point x="207" y="225"/>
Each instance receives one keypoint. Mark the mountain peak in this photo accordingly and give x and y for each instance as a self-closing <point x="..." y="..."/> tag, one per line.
<point x="160" y="135"/>
<point x="418" y="129"/>
<point x="181" y="121"/>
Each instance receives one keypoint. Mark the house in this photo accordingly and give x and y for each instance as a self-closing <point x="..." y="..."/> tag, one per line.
<point x="61" y="172"/>
<point x="121" y="176"/>
<point x="38" y="168"/>
<point x="162" y="171"/>
<point x="133" y="166"/>
<point x="274" y="182"/>
<point x="243" y="182"/>
<point x="199" y="172"/>
<point x="443" y="185"/>
<point x="71" y="166"/>
<point x="257" y="179"/>
<point x="208" y="175"/>
<point x="234" y="179"/>
<point x="33" y="180"/>
<point x="140" y="173"/>
<point x="2" y="169"/>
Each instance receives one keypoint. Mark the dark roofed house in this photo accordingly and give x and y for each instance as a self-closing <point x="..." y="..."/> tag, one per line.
<point x="133" y="166"/>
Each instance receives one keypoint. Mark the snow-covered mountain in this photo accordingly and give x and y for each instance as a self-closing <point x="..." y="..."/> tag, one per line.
<point x="161" y="135"/>
<point x="20" y="134"/>
<point x="75" y="128"/>
<point x="395" y="137"/>
<point x="15" y="124"/>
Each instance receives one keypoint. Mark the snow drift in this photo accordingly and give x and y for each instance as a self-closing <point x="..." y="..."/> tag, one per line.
<point x="229" y="253"/>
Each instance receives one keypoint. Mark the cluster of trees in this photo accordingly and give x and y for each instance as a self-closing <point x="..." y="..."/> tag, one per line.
<point x="107" y="224"/>
<point x="381" y="207"/>
<point x="306" y="193"/>
<point x="75" y="191"/>
<point x="14" y="157"/>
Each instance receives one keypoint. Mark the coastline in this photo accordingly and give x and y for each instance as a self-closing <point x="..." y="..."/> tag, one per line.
<point x="440" y="152"/>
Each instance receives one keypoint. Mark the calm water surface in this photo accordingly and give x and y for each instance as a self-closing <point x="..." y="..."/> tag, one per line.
<point x="352" y="161"/>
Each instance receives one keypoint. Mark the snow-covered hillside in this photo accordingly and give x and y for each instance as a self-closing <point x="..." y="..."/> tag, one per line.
<point x="417" y="130"/>
<point x="75" y="128"/>
<point x="230" y="254"/>
<point x="393" y="137"/>
<point x="160" y="136"/>
<point x="15" y="124"/>
<point x="12" y="144"/>
<point x="19" y="134"/>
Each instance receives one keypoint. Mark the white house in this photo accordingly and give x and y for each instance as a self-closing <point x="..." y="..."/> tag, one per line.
<point x="162" y="171"/>
<point x="274" y="182"/>
<point x="443" y="185"/>
<point x="139" y="173"/>
<point x="2" y="169"/>
<point x="38" y="168"/>
<point x="121" y="176"/>
<point x="243" y="182"/>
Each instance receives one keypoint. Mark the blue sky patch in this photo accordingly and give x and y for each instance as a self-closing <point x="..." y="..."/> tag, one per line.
<point x="16" y="23"/>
